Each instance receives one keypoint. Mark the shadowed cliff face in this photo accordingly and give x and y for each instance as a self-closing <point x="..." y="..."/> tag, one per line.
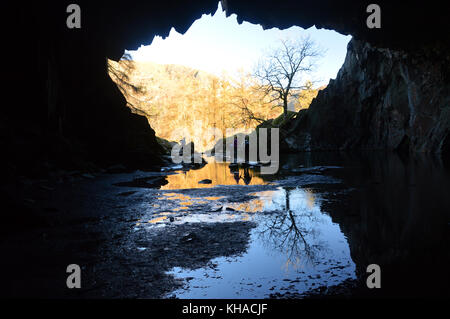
<point x="381" y="99"/>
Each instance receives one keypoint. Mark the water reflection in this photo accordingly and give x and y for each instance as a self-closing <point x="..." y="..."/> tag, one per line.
<point x="387" y="210"/>
<point x="294" y="245"/>
<point x="296" y="231"/>
<point x="294" y="225"/>
<point x="395" y="213"/>
<point x="157" y="220"/>
<point x="218" y="173"/>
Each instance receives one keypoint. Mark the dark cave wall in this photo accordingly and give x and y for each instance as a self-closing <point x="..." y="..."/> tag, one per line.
<point x="404" y="25"/>
<point x="381" y="99"/>
<point x="65" y="111"/>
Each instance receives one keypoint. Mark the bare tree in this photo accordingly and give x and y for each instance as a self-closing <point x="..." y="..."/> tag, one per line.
<point x="248" y="101"/>
<point x="280" y="73"/>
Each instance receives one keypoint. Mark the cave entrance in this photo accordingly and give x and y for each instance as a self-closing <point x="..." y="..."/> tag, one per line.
<point x="206" y="78"/>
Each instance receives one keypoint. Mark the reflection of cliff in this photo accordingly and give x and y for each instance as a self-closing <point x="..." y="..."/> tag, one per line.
<point x="218" y="173"/>
<point x="398" y="218"/>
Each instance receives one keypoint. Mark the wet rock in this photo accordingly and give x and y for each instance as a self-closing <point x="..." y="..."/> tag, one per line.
<point x="145" y="182"/>
<point x="125" y="194"/>
<point x="171" y="168"/>
<point x="189" y="238"/>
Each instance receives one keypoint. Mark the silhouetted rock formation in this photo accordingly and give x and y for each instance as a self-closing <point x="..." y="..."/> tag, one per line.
<point x="403" y="26"/>
<point x="381" y="99"/>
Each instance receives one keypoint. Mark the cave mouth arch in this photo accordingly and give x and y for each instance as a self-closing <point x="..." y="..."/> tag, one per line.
<point x="68" y="62"/>
<point x="224" y="42"/>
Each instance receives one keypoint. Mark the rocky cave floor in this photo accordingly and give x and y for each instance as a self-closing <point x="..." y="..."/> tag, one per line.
<point x="126" y="234"/>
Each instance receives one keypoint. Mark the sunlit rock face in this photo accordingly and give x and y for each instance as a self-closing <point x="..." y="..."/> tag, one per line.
<point x="381" y="99"/>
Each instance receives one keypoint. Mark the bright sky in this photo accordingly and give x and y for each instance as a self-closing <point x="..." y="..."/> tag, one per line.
<point x="217" y="43"/>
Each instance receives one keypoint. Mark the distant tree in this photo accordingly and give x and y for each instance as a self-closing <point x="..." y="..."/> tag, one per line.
<point x="280" y="73"/>
<point x="247" y="101"/>
<point x="249" y="105"/>
<point x="120" y="73"/>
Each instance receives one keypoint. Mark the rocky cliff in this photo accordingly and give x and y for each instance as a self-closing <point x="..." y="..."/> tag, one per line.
<point x="381" y="99"/>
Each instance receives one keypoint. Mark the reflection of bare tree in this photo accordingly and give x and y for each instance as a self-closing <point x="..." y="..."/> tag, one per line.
<point x="292" y="232"/>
